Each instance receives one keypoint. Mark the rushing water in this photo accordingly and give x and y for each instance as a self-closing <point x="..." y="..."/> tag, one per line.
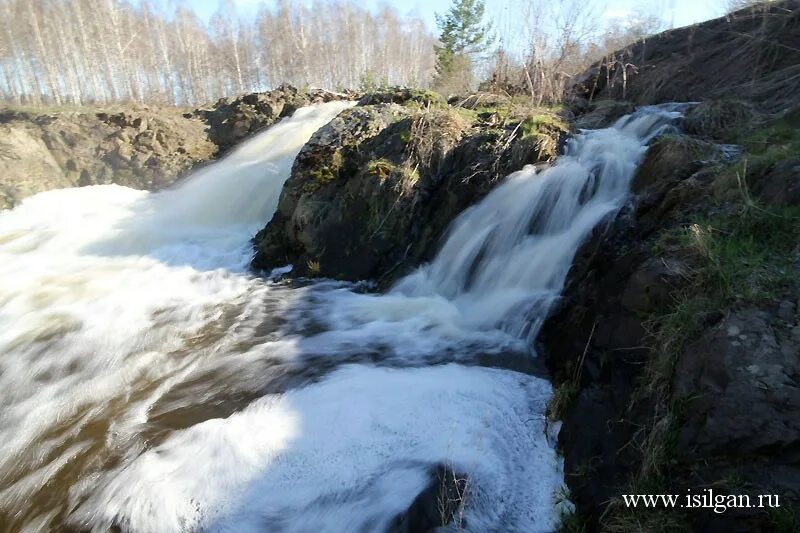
<point x="150" y="383"/>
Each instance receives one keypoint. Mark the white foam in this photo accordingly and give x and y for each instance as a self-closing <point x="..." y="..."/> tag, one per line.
<point x="347" y="454"/>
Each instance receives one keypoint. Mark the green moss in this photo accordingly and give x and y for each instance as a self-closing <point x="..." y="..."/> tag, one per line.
<point x="405" y="133"/>
<point x="669" y="332"/>
<point x="425" y="97"/>
<point x="324" y="172"/>
<point x="404" y="96"/>
<point x="748" y="255"/>
<point x="410" y="175"/>
<point x="535" y="125"/>
<point x="501" y="112"/>
<point x="468" y="115"/>
<point x="380" y="168"/>
<point x="744" y="257"/>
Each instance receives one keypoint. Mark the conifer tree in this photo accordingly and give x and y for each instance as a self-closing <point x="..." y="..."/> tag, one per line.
<point x="463" y="35"/>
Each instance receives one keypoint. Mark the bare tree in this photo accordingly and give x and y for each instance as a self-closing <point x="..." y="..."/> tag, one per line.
<point x="83" y="51"/>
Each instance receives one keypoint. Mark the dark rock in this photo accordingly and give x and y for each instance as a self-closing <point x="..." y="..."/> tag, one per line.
<point x="727" y="399"/>
<point x="602" y="114"/>
<point x="651" y="286"/>
<point x="436" y="506"/>
<point x="593" y="442"/>
<point x="742" y="378"/>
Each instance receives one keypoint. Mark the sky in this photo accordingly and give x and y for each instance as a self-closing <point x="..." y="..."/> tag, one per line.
<point x="675" y="12"/>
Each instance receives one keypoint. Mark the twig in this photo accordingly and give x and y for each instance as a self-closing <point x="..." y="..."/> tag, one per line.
<point x="579" y="368"/>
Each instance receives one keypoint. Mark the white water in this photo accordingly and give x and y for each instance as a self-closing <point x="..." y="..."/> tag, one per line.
<point x="150" y="383"/>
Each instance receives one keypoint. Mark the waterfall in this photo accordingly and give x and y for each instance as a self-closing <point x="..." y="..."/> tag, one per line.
<point x="152" y="384"/>
<point x="505" y="260"/>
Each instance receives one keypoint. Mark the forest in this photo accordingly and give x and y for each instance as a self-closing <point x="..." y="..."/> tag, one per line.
<point x="76" y="52"/>
<point x="98" y="51"/>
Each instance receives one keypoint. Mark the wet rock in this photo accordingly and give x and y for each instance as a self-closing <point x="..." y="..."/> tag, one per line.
<point x="436" y="506"/>
<point x="725" y="401"/>
<point x="592" y="465"/>
<point x="651" y="285"/>
<point x="602" y="114"/>
<point x="787" y="312"/>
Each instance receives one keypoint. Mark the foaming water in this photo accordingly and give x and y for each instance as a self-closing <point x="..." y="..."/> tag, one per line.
<point x="151" y="384"/>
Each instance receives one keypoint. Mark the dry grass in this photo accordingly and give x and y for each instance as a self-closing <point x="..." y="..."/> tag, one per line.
<point x="434" y="132"/>
<point x="313" y="267"/>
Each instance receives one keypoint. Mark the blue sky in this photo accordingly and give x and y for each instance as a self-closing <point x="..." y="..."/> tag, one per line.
<point x="675" y="12"/>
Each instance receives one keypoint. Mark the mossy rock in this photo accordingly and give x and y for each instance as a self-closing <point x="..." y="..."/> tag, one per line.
<point x="403" y="95"/>
<point x="402" y="174"/>
<point x="380" y="168"/>
<point x="722" y="120"/>
<point x="672" y="158"/>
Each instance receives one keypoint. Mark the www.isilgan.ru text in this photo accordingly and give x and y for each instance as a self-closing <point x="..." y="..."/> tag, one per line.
<point x="705" y="499"/>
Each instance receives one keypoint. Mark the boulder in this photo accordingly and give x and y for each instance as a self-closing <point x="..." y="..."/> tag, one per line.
<point x="76" y="148"/>
<point x="371" y="193"/>
<point x="131" y="145"/>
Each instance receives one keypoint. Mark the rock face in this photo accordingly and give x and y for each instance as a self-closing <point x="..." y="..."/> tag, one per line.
<point x="372" y="192"/>
<point x="749" y="55"/>
<point x="131" y="145"/>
